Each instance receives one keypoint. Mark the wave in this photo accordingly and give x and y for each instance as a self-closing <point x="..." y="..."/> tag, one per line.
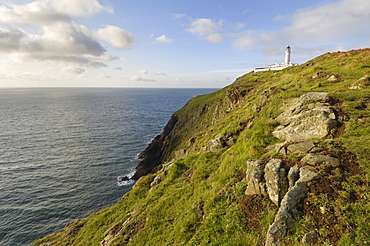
<point x="126" y="180"/>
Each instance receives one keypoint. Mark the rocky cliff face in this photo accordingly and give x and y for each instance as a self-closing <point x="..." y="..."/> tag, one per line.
<point x="160" y="149"/>
<point x="276" y="158"/>
<point x="152" y="156"/>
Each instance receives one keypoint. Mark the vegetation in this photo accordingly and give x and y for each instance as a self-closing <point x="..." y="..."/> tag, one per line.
<point x="201" y="197"/>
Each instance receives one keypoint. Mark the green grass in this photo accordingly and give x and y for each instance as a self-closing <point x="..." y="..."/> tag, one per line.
<point x="198" y="201"/>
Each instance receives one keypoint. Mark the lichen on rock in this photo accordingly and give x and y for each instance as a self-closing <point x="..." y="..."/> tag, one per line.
<point x="307" y="117"/>
<point x="282" y="222"/>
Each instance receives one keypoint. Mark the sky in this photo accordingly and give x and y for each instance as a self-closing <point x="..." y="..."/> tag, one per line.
<point x="167" y="43"/>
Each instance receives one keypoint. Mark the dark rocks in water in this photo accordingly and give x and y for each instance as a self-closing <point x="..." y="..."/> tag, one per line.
<point x="153" y="155"/>
<point x="124" y="178"/>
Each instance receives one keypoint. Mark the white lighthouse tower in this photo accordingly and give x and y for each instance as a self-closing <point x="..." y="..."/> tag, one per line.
<point x="287" y="56"/>
<point x="277" y="66"/>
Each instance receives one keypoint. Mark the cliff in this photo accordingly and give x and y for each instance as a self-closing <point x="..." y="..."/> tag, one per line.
<point x="276" y="158"/>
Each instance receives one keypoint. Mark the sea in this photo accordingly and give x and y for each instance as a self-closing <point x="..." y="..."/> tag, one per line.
<point x="63" y="151"/>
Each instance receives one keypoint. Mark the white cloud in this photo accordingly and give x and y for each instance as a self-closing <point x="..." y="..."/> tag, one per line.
<point x="204" y="27"/>
<point x="345" y="20"/>
<point x="59" y="38"/>
<point x="335" y="20"/>
<point x="143" y="72"/>
<point x="46" y="11"/>
<point x="270" y="51"/>
<point x="215" y="38"/>
<point x="104" y="76"/>
<point x="160" y="73"/>
<point x="59" y="41"/>
<point x="75" y="70"/>
<point x="239" y="25"/>
<point x="33" y="12"/>
<point x="69" y="38"/>
<point x="119" y="38"/>
<point x="179" y="16"/>
<point x="207" y="28"/>
<point x="78" y="8"/>
<point x="139" y="78"/>
<point x="164" y="39"/>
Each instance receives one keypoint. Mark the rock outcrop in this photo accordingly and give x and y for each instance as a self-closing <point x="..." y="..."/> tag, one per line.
<point x="285" y="189"/>
<point x="276" y="180"/>
<point x="152" y="156"/>
<point x="283" y="219"/>
<point x="306" y="117"/>
<point x="319" y="159"/>
<point x="255" y="177"/>
<point x="361" y="83"/>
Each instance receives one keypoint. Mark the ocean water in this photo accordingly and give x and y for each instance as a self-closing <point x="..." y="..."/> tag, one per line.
<point x="62" y="149"/>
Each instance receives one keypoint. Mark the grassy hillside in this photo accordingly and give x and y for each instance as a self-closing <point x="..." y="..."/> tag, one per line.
<point x="197" y="196"/>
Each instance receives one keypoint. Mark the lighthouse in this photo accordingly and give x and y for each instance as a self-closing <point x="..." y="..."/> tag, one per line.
<point x="287" y="56"/>
<point x="286" y="63"/>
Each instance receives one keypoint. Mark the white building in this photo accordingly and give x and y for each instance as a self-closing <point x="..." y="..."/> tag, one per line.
<point x="277" y="66"/>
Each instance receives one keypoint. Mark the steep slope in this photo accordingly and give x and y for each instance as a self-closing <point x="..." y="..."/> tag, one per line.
<point x="225" y="172"/>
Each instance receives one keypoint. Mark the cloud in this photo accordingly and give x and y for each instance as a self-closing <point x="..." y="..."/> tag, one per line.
<point x="341" y="19"/>
<point x="79" y="8"/>
<point x="118" y="68"/>
<point x="69" y="38"/>
<point x="46" y="11"/>
<point x="59" y="41"/>
<point x="179" y="16"/>
<point x="59" y="37"/>
<point x="345" y="20"/>
<point x="270" y="51"/>
<point x="33" y="12"/>
<point x="160" y="73"/>
<point x="143" y="72"/>
<point x="164" y="39"/>
<point x="239" y="25"/>
<point x="215" y="38"/>
<point x="74" y="70"/>
<point x="104" y="76"/>
<point x="207" y="29"/>
<point x="204" y="27"/>
<point x="119" y="38"/>
<point x="139" y="78"/>
<point x="10" y="40"/>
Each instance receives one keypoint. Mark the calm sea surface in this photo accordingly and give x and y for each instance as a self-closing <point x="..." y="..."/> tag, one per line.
<point x="61" y="151"/>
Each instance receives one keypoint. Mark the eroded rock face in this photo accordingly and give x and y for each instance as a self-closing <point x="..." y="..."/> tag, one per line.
<point x="306" y="117"/>
<point x="216" y="144"/>
<point x="285" y="189"/>
<point x="301" y="147"/>
<point x="254" y="176"/>
<point x="319" y="159"/>
<point x="276" y="182"/>
<point x="293" y="175"/>
<point x="288" y="147"/>
<point x="282" y="222"/>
